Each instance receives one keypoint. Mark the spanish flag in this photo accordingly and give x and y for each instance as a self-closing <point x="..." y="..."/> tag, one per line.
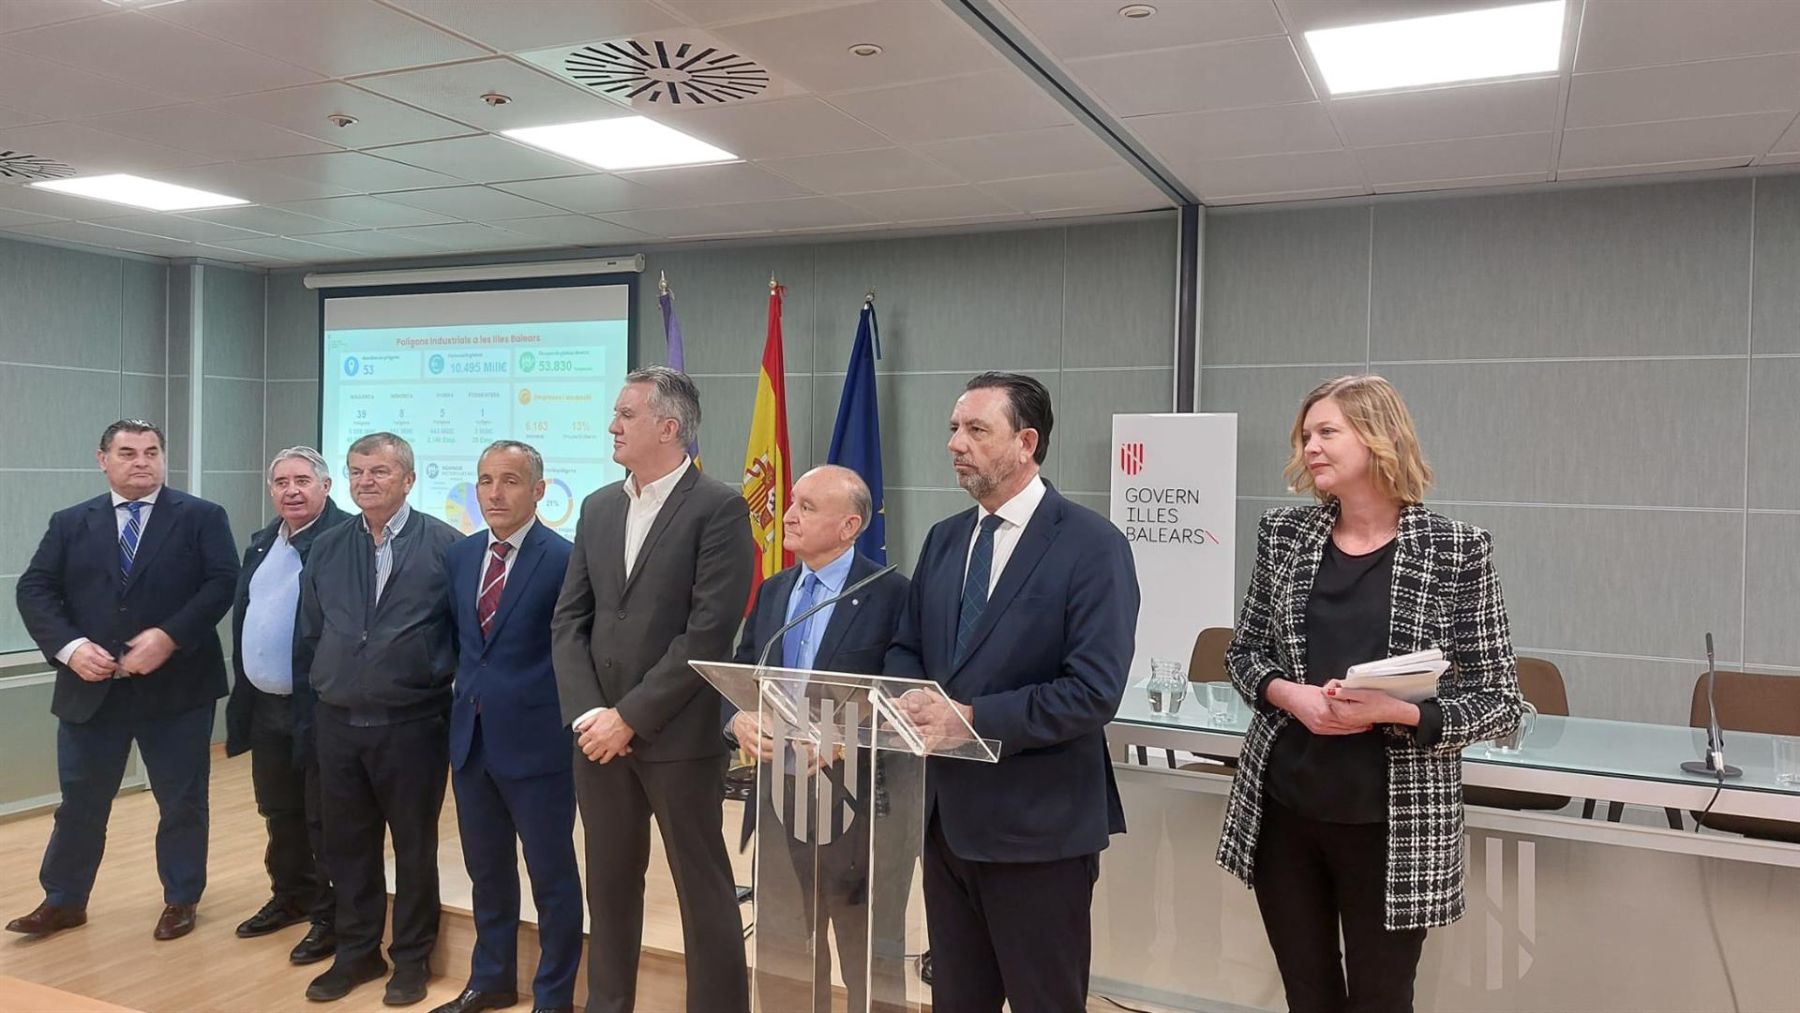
<point x="768" y="478"/>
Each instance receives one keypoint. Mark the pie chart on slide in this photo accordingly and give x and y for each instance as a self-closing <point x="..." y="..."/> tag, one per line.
<point x="461" y="508"/>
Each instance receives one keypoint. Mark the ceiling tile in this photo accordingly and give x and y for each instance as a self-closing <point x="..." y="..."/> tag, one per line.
<point x="797" y="213"/>
<point x="677" y="223"/>
<point x="156" y="55"/>
<point x="15" y="118"/>
<point x="863" y="171"/>
<point x="518" y="25"/>
<point x="1305" y="15"/>
<point x="355" y="171"/>
<point x="170" y="226"/>
<point x="732" y="183"/>
<point x="1026" y="153"/>
<point x="1234" y="133"/>
<point x="1070" y="29"/>
<point x="1098" y="188"/>
<point x="206" y="129"/>
<point x="379" y="120"/>
<point x="931" y="204"/>
<point x="18" y="15"/>
<point x="465" y="236"/>
<point x="269" y="221"/>
<point x="1685" y="91"/>
<point x="1192" y="78"/>
<point x="364" y="213"/>
<point x="594" y="192"/>
<point x="578" y="230"/>
<point x="93" y="152"/>
<point x="277" y="248"/>
<point x="10" y="218"/>
<point x="474" y="203"/>
<point x="706" y="13"/>
<point x="1712" y="137"/>
<point x="1418" y="186"/>
<point x="1789" y="141"/>
<point x="1471" y="158"/>
<point x="991" y="103"/>
<point x="336" y="38"/>
<point x="56" y="92"/>
<point x="802" y="125"/>
<point x="251" y="181"/>
<point x="1630" y="33"/>
<point x="97" y="235"/>
<point x="50" y="204"/>
<point x="480" y="159"/>
<point x="918" y="41"/>
<point x="374" y="243"/>
<point x="1273" y="174"/>
<point x="1655" y="168"/>
<point x="455" y="91"/>
<point x="1445" y="114"/>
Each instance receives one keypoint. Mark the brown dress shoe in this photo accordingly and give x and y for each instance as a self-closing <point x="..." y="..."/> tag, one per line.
<point x="47" y="919"/>
<point x="177" y="920"/>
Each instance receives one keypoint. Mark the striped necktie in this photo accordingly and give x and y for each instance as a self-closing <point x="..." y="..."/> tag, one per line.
<point x="492" y="587"/>
<point x="128" y="538"/>
<point x="975" y="585"/>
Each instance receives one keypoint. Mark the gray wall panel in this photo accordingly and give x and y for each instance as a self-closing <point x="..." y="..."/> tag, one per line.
<point x="1775" y="435"/>
<point x="144" y="397"/>
<point x="722" y="301"/>
<point x="63" y="307"/>
<point x="293" y="417"/>
<point x="1081" y="440"/>
<point x="1118" y="305"/>
<point x="146" y="316"/>
<point x="28" y="499"/>
<point x="293" y="312"/>
<point x="1287" y="287"/>
<point x="56" y="415"/>
<point x="1627" y="689"/>
<point x="1771" y="589"/>
<point x="233" y="305"/>
<point x="245" y="501"/>
<point x="1775" y="310"/>
<point x="1264" y="400"/>
<point x="232" y="411"/>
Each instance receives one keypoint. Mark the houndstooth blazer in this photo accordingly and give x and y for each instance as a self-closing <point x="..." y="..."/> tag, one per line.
<point x="1445" y="595"/>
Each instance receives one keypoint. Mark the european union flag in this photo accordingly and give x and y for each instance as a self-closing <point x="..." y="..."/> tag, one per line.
<point x="856" y="438"/>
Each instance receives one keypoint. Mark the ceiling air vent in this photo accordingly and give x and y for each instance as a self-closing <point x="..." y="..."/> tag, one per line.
<point x="663" y="72"/>
<point x="19" y="165"/>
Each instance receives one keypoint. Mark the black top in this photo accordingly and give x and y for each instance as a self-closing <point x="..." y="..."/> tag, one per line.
<point x="1339" y="778"/>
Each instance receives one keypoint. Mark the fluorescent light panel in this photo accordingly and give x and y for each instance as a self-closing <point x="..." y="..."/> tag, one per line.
<point x="628" y="142"/>
<point x="139" y="192"/>
<point x="1470" y="46"/>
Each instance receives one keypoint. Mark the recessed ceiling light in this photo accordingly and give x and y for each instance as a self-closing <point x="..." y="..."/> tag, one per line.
<point x="866" y="49"/>
<point x="628" y="142"/>
<point x="139" y="192"/>
<point x="1469" y="46"/>
<point x="1136" y="11"/>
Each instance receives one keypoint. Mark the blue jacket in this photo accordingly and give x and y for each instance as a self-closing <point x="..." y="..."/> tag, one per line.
<point x="1045" y="670"/>
<point x="508" y="675"/>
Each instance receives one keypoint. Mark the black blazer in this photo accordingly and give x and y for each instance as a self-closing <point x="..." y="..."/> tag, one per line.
<point x="855" y="641"/>
<point x="242" y="705"/>
<point x="626" y="643"/>
<point x="181" y="582"/>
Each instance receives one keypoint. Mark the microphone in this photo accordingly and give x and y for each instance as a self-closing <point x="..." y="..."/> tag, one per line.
<point x="763" y="661"/>
<point x="1714" y="764"/>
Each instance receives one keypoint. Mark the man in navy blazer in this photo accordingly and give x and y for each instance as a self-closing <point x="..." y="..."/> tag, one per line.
<point x="125" y="594"/>
<point x="1025" y="610"/>
<point x="831" y="506"/>
<point x="509" y="749"/>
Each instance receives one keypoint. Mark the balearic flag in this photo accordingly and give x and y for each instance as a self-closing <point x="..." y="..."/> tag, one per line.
<point x="675" y="357"/>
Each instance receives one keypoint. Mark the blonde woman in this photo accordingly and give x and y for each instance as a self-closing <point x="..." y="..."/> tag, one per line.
<point x="1347" y="808"/>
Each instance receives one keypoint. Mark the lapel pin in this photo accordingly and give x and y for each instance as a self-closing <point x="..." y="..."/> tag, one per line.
<point x="856" y="601"/>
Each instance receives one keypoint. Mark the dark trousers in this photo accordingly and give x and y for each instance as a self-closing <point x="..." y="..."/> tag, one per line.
<point x="1014" y="932"/>
<point x="617" y="800"/>
<point x="496" y="815"/>
<point x="90" y="764"/>
<point x="1314" y="879"/>
<point x="287" y="798"/>
<point x="374" y="779"/>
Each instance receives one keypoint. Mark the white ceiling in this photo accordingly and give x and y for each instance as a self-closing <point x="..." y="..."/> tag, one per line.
<point x="939" y="129"/>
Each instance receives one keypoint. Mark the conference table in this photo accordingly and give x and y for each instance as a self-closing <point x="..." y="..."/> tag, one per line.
<point x="1564" y="913"/>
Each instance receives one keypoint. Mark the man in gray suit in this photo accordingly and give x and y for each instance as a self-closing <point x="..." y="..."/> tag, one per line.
<point x="659" y="576"/>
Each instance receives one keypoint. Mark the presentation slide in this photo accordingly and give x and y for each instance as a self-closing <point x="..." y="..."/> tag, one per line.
<point x="452" y="372"/>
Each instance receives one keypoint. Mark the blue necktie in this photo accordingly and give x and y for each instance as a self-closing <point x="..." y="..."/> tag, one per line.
<point x="975" y="585"/>
<point x="793" y="645"/>
<point x="128" y="539"/>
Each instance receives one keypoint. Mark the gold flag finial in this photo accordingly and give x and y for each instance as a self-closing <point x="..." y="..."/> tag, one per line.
<point x="773" y="284"/>
<point x="869" y="298"/>
<point x="662" y="282"/>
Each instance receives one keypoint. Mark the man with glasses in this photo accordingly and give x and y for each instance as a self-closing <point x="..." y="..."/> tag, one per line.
<point x="377" y="649"/>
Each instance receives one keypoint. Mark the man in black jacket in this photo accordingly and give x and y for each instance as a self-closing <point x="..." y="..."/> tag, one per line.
<point x="376" y="647"/>
<point x="259" y="719"/>
<point x="125" y="594"/>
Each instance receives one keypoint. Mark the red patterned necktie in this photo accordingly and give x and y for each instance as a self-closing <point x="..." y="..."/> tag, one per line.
<point x="491" y="587"/>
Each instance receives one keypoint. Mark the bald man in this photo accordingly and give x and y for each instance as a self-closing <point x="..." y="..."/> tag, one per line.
<point x="831" y="507"/>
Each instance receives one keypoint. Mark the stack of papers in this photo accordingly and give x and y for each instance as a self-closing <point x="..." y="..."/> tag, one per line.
<point x="1409" y="677"/>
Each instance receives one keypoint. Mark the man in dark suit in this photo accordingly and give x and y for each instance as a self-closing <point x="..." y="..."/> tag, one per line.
<point x="259" y="718"/>
<point x="829" y="884"/>
<point x="1025" y="609"/>
<point x="125" y="594"/>
<point x="659" y="576"/>
<point x="376" y="651"/>
<point x="509" y="749"/>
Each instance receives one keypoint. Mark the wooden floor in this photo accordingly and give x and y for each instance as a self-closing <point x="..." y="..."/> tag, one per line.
<point x="114" y="959"/>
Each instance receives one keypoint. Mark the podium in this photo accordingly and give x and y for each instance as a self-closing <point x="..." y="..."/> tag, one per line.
<point x="840" y="821"/>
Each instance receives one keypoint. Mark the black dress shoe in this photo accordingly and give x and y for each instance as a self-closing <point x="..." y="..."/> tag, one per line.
<point x="472" y="1001"/>
<point x="320" y="942"/>
<point x="340" y="978"/>
<point x="407" y="986"/>
<point x="925" y="967"/>
<point x="274" y="916"/>
<point x="177" y="920"/>
<point x="48" y="918"/>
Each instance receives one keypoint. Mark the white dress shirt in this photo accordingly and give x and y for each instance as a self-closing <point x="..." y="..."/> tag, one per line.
<point x="517" y="541"/>
<point x="646" y="503"/>
<point x="120" y="519"/>
<point x="1014" y="514"/>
